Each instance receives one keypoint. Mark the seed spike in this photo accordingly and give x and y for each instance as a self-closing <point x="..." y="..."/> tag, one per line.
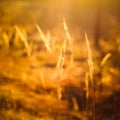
<point x="44" y="38"/>
<point x="89" y="60"/>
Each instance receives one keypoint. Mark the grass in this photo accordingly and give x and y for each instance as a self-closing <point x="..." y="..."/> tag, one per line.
<point x="24" y="39"/>
<point x="44" y="38"/>
<point x="34" y="86"/>
<point x="91" y="67"/>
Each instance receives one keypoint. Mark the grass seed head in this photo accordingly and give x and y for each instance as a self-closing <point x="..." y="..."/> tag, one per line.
<point x="24" y="39"/>
<point x="69" y="40"/>
<point x="44" y="38"/>
<point x="89" y="60"/>
<point x="61" y="59"/>
<point x="5" y="39"/>
<point x="105" y="58"/>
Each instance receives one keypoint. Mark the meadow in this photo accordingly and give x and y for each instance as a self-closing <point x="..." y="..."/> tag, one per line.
<point x="46" y="77"/>
<point x="59" y="72"/>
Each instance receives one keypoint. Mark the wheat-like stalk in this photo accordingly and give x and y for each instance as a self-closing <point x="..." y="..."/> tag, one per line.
<point x="61" y="59"/>
<point x="87" y="85"/>
<point x="87" y="91"/>
<point x="6" y="39"/>
<point x="68" y="36"/>
<point x="105" y="58"/>
<point x="89" y="60"/>
<point x="69" y="40"/>
<point x="59" y="66"/>
<point x="44" y="38"/>
<point x="24" y="39"/>
<point x="91" y="67"/>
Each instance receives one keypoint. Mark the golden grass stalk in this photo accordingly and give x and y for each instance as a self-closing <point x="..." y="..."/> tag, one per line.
<point x="59" y="66"/>
<point x="6" y="39"/>
<point x="61" y="59"/>
<point x="24" y="39"/>
<point x="91" y="67"/>
<point x="89" y="60"/>
<point x="87" y="91"/>
<point x="69" y="39"/>
<point x="105" y="58"/>
<point x="68" y="36"/>
<point x="87" y="85"/>
<point x="44" y="38"/>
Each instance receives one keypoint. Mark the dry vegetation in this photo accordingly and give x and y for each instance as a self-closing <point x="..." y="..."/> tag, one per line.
<point x="44" y="76"/>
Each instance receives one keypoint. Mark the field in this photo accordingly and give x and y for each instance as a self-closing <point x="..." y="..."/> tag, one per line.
<point x="57" y="74"/>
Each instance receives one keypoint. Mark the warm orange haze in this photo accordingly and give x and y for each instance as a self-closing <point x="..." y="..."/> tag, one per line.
<point x="59" y="60"/>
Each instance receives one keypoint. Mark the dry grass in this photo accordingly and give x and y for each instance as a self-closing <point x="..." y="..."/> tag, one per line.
<point x="45" y="38"/>
<point x="60" y="63"/>
<point x="69" y="41"/>
<point x="6" y="39"/>
<point x="87" y="85"/>
<point x="105" y="59"/>
<point x="91" y="67"/>
<point x="24" y="39"/>
<point x="59" y="66"/>
<point x="61" y="60"/>
<point x="30" y="81"/>
<point x="90" y="59"/>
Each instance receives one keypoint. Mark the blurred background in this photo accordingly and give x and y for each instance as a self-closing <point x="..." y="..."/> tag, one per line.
<point x="93" y="16"/>
<point x="25" y="60"/>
